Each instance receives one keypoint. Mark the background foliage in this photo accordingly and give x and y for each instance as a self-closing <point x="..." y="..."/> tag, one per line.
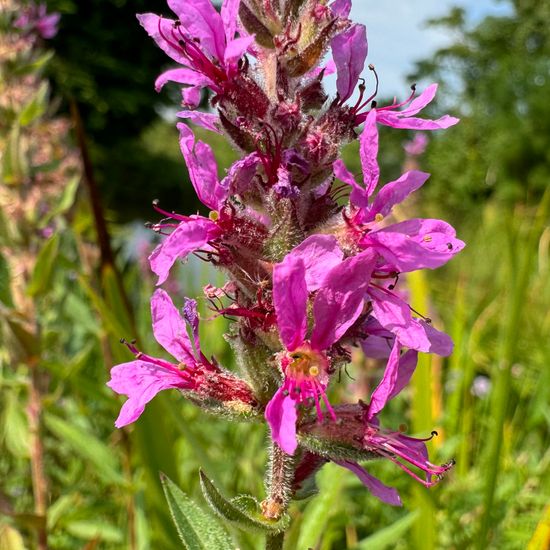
<point x="490" y="401"/>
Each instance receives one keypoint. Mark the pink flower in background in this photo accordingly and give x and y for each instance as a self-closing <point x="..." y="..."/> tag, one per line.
<point x="416" y="146"/>
<point x="35" y="18"/>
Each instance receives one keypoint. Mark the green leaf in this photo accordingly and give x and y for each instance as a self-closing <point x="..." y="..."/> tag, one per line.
<point x="389" y="536"/>
<point x="244" y="511"/>
<point x="33" y="66"/>
<point x="197" y="529"/>
<point x="15" y="430"/>
<point x="88" y="447"/>
<point x="43" y="269"/>
<point x="88" y="530"/>
<point x="14" y="164"/>
<point x="10" y="538"/>
<point x="36" y="107"/>
<point x="65" y="202"/>
<point x="5" y="279"/>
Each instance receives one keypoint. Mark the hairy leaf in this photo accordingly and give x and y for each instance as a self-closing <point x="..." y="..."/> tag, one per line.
<point x="197" y="529"/>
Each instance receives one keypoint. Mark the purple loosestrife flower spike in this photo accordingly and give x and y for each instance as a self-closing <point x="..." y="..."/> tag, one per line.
<point x="35" y="18"/>
<point x="310" y="273"/>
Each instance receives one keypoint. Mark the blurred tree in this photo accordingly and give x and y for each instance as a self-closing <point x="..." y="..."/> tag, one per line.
<point x="499" y="75"/>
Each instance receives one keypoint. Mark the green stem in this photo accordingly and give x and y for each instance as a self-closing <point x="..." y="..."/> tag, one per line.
<point x="280" y="476"/>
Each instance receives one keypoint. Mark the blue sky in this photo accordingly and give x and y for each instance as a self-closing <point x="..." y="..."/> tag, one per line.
<point x="397" y="34"/>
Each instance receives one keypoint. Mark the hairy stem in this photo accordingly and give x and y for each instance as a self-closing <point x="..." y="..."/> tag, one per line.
<point x="280" y="476"/>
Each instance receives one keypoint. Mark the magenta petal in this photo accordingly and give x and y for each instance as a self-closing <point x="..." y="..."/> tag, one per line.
<point x="378" y="347"/>
<point x="237" y="48"/>
<point x="181" y="76"/>
<point x="209" y="121"/>
<point x="186" y="238"/>
<point x="407" y="366"/>
<point x="412" y="123"/>
<point x="290" y="300"/>
<point x="191" y="97"/>
<point x="415" y="244"/>
<point x="424" y="99"/>
<point x="397" y="375"/>
<point x="201" y="20"/>
<point x="386" y="494"/>
<point x="349" y="50"/>
<point x="150" y="22"/>
<point x="368" y="151"/>
<point x="281" y="416"/>
<point x="141" y="381"/>
<point x="381" y="395"/>
<point x="341" y="7"/>
<point x="240" y="174"/>
<point x="340" y="300"/>
<point x="396" y="192"/>
<point x="320" y="254"/>
<point x="170" y="329"/>
<point x="229" y="14"/>
<point x="202" y="167"/>
<point x="395" y="315"/>
<point x="440" y="343"/>
<point x="358" y="195"/>
<point x="327" y="69"/>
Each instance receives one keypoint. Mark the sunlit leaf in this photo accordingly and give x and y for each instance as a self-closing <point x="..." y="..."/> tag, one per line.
<point x="41" y="277"/>
<point x="36" y="107"/>
<point x="243" y="511"/>
<point x="197" y="529"/>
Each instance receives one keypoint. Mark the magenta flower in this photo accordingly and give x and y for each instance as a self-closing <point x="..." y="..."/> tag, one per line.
<point x="305" y="363"/>
<point x="143" y="378"/>
<point x="401" y="247"/>
<point x="194" y="233"/>
<point x="396" y="116"/>
<point x="35" y="18"/>
<point x="203" y="41"/>
<point x="402" y="450"/>
<point x="140" y="380"/>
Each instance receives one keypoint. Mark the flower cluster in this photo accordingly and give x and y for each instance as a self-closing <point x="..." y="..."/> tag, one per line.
<point x="312" y="255"/>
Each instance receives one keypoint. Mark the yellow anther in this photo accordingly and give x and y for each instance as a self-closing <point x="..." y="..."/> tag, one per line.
<point x="378" y="218"/>
<point x="182" y="366"/>
<point x="214" y="216"/>
<point x="427" y="238"/>
<point x="314" y="371"/>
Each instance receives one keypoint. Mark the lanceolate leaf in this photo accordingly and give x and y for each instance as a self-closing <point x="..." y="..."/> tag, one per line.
<point x="197" y="529"/>
<point x="36" y="107"/>
<point x="44" y="267"/>
<point x="5" y="292"/>
<point x="244" y="511"/>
